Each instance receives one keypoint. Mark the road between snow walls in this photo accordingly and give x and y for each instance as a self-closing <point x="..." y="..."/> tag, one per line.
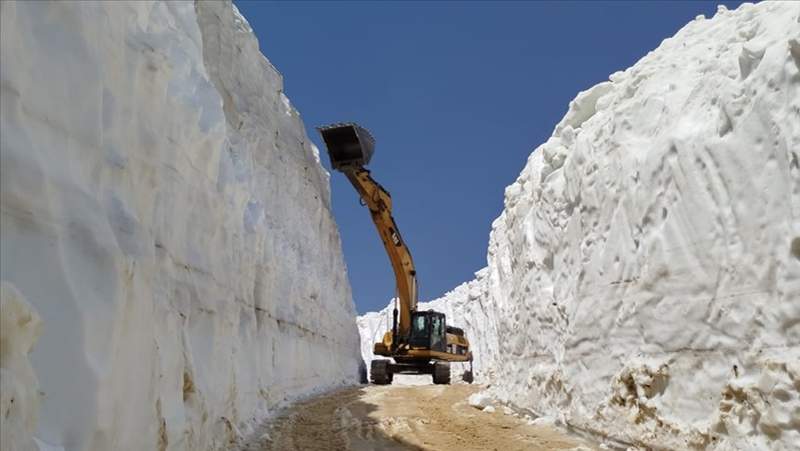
<point x="171" y="271"/>
<point x="643" y="280"/>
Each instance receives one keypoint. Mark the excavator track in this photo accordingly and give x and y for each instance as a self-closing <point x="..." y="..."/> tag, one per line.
<point x="441" y="373"/>
<point x="380" y="372"/>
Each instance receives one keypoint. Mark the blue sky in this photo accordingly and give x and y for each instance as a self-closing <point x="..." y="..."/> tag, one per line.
<point x="457" y="95"/>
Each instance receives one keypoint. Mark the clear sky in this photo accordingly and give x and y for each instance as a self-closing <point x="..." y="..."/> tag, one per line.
<point x="457" y="95"/>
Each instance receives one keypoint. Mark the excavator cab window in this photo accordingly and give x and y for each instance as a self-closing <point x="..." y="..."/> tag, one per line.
<point x="419" y="326"/>
<point x="428" y="331"/>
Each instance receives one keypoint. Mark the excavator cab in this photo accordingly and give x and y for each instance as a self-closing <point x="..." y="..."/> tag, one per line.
<point x="428" y="331"/>
<point x="349" y="145"/>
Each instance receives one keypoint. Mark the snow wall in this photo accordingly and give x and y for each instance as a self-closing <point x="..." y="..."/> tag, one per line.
<point x="166" y="232"/>
<point x="643" y="280"/>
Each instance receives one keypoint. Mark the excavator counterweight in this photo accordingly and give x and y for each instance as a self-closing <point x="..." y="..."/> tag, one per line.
<point x="420" y="342"/>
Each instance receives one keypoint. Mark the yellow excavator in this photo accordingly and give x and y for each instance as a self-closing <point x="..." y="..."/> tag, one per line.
<point x="420" y="342"/>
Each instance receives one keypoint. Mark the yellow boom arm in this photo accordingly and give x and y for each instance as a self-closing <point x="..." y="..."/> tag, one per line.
<point x="379" y="203"/>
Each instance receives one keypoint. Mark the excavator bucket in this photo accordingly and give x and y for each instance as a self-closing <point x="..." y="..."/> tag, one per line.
<point x="348" y="145"/>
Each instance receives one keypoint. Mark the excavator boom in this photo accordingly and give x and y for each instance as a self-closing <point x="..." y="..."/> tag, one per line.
<point x="350" y="147"/>
<point x="380" y="207"/>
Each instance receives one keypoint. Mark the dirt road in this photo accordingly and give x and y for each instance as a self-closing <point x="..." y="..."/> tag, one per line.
<point x="426" y="417"/>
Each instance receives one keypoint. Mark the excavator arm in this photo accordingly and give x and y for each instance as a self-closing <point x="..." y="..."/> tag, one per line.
<point x="379" y="202"/>
<point x="350" y="148"/>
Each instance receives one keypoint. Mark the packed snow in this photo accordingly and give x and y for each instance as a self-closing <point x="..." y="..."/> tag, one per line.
<point x="171" y="272"/>
<point x="643" y="280"/>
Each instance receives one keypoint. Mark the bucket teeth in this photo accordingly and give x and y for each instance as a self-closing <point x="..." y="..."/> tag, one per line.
<point x="349" y="145"/>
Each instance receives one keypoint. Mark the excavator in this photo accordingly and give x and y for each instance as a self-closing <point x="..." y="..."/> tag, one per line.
<point x="420" y="342"/>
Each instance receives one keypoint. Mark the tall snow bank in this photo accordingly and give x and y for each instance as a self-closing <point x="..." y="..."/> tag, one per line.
<point x="643" y="280"/>
<point x="644" y="273"/>
<point x="165" y="214"/>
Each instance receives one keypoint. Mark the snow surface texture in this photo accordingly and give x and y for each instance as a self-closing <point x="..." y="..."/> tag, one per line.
<point x="643" y="280"/>
<point x="165" y="215"/>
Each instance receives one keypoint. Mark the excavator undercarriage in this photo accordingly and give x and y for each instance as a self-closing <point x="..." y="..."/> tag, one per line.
<point x="419" y="342"/>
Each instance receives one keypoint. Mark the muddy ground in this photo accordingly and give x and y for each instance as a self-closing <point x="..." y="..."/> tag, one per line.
<point x="421" y="417"/>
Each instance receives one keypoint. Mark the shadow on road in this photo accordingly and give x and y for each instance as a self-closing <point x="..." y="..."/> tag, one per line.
<point x="338" y="421"/>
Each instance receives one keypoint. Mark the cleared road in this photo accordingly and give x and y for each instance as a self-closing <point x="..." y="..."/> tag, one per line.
<point x="423" y="417"/>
